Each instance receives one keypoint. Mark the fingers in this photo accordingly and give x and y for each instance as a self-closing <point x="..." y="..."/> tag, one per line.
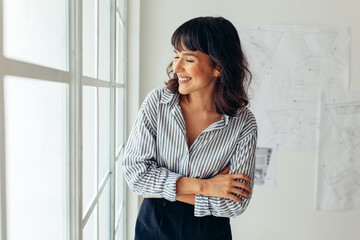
<point x="242" y="185"/>
<point x="242" y="177"/>
<point x="241" y="192"/>
<point x="237" y="175"/>
<point x="226" y="185"/>
<point x="234" y="198"/>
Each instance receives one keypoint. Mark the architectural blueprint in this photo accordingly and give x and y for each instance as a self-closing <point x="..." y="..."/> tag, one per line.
<point x="265" y="166"/>
<point x="338" y="169"/>
<point x="290" y="66"/>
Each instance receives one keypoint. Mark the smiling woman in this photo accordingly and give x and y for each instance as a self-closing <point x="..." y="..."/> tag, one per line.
<point x="217" y="40"/>
<point x="191" y="152"/>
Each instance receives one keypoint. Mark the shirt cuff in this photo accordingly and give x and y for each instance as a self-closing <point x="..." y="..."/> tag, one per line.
<point x="202" y="206"/>
<point x="170" y="186"/>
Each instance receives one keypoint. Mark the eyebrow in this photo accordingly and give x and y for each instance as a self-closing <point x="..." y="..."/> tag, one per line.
<point x="186" y="53"/>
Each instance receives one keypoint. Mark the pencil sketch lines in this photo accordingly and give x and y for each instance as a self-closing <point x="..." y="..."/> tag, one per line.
<point x="346" y="183"/>
<point x="290" y="67"/>
<point x="319" y="43"/>
<point x="346" y="118"/>
<point x="338" y="180"/>
<point x="285" y="120"/>
<point x="260" y="45"/>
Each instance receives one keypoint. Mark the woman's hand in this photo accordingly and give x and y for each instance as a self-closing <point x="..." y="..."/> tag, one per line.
<point x="224" y="185"/>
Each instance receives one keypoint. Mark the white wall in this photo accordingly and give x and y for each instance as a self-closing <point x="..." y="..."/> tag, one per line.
<point x="285" y="211"/>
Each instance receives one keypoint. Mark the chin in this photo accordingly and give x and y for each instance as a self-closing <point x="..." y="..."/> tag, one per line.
<point x="183" y="91"/>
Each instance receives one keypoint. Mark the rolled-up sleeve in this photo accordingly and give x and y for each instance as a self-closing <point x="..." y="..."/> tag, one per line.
<point x="141" y="170"/>
<point x="243" y="161"/>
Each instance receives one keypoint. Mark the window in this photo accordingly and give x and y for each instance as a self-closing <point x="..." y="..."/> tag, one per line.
<point x="62" y="103"/>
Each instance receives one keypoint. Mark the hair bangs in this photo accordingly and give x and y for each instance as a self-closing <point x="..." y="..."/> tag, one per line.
<point x="191" y="37"/>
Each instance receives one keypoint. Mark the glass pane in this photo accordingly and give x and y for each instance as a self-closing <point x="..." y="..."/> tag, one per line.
<point x="119" y="185"/>
<point x="120" y="4"/>
<point x="104" y="132"/>
<point x="120" y="118"/>
<point x="104" y="40"/>
<point x="89" y="43"/>
<point x="41" y="24"/>
<point x="89" y="145"/>
<point x="120" y="233"/>
<point x="90" y="229"/>
<point x="36" y="123"/>
<point x="104" y="213"/>
<point x="120" y="53"/>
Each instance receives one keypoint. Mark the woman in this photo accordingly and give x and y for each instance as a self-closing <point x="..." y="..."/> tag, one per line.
<point x="191" y="152"/>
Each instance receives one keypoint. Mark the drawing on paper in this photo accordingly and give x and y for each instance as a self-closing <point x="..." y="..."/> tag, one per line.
<point x="338" y="180"/>
<point x="290" y="66"/>
<point x="265" y="166"/>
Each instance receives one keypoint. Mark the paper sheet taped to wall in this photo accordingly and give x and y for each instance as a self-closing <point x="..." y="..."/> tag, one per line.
<point x="265" y="168"/>
<point x="338" y="179"/>
<point x="290" y="66"/>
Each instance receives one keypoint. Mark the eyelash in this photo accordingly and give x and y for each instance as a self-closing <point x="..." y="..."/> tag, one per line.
<point x="187" y="60"/>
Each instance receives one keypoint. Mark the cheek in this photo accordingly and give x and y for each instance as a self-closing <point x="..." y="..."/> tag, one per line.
<point x="197" y="71"/>
<point x="206" y="73"/>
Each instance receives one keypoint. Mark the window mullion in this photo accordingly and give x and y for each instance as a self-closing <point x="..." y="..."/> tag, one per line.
<point x="97" y="161"/>
<point x="88" y="81"/>
<point x="112" y="115"/>
<point x="98" y="111"/>
<point x="75" y="120"/>
<point x="30" y="70"/>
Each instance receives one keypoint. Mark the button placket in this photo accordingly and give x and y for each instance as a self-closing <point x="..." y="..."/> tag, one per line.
<point x="185" y="165"/>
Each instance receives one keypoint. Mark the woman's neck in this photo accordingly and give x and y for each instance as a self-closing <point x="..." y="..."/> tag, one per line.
<point x="200" y="102"/>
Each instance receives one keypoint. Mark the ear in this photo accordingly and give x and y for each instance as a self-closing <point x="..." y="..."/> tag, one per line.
<point x="217" y="71"/>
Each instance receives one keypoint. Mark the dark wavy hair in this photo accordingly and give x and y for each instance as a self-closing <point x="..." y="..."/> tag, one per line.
<point x="218" y="38"/>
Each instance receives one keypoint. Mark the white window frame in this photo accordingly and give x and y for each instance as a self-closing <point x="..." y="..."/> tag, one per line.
<point x="76" y="81"/>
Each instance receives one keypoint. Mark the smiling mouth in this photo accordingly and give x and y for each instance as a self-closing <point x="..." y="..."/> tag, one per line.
<point x="184" y="80"/>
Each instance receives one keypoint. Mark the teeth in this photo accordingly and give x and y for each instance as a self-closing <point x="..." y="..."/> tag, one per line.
<point x="185" y="79"/>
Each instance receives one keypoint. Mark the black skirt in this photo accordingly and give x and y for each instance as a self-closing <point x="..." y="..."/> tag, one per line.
<point x="160" y="219"/>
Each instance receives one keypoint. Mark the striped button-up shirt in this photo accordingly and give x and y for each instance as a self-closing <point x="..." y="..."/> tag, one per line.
<point x="157" y="153"/>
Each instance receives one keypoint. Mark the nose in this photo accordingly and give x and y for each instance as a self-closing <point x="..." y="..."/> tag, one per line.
<point x="177" y="65"/>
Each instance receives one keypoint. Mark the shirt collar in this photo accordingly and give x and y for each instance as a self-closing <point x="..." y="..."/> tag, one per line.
<point x="172" y="98"/>
<point x="169" y="98"/>
<point x="226" y="117"/>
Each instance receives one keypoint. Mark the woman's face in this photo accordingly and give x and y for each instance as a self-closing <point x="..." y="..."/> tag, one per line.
<point x="195" y="72"/>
